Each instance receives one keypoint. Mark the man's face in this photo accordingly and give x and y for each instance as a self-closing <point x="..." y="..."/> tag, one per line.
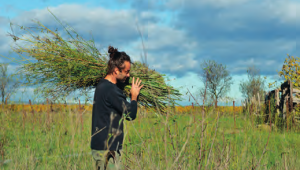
<point x="122" y="76"/>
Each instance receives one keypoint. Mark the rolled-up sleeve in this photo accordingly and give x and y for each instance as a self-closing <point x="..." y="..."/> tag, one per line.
<point x="122" y="106"/>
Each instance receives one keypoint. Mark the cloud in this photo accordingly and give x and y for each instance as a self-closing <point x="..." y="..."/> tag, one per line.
<point x="286" y="11"/>
<point x="107" y="26"/>
<point x="238" y="55"/>
<point x="149" y="5"/>
<point x="239" y="33"/>
<point x="5" y="42"/>
<point x="168" y="50"/>
<point x="167" y="47"/>
<point x="234" y="22"/>
<point x="6" y="53"/>
<point x="3" y="21"/>
<point x="179" y="4"/>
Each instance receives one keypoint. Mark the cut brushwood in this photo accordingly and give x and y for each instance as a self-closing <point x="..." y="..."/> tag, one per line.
<point x="61" y="66"/>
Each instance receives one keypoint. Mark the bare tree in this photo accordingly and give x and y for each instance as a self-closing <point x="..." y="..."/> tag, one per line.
<point x="255" y="84"/>
<point x="8" y="83"/>
<point x="217" y="77"/>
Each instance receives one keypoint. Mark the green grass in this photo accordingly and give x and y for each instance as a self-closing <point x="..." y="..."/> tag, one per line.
<point x="60" y="142"/>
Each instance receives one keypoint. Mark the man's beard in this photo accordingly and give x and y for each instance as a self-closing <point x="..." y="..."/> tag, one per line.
<point x="121" y="84"/>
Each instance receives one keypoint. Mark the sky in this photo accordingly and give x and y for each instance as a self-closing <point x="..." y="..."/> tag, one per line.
<point x="178" y="34"/>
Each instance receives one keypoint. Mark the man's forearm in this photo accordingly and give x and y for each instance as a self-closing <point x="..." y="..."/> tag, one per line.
<point x="132" y="111"/>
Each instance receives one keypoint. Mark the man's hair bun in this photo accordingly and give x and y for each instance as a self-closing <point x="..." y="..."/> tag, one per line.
<point x="112" y="51"/>
<point x="116" y="59"/>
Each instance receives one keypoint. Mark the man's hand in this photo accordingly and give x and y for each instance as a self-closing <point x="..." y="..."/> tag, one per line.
<point x="135" y="89"/>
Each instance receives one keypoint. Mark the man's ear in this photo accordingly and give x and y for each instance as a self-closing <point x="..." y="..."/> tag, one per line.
<point x="116" y="70"/>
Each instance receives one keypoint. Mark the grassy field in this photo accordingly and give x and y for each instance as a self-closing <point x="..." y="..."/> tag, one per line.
<point x="61" y="140"/>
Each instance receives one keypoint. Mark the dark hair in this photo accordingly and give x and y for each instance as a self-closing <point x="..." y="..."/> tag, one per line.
<point x="116" y="59"/>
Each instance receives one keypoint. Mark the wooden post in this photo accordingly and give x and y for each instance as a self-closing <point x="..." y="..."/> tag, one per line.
<point x="80" y="112"/>
<point x="287" y="115"/>
<point x="48" y="110"/>
<point x="24" y="116"/>
<point x="291" y="95"/>
<point x="194" y="112"/>
<point x="258" y="99"/>
<point x="32" y="110"/>
<point x="254" y="104"/>
<point x="284" y="100"/>
<point x="277" y="100"/>
<point x="32" y="114"/>
<point x="51" y="106"/>
<point x="270" y="117"/>
<point x="234" y="114"/>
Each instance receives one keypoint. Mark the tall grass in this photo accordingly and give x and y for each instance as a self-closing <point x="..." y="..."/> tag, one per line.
<point x="57" y="141"/>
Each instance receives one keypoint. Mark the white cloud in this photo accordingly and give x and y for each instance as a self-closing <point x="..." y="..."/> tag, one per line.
<point x="220" y="3"/>
<point x="286" y="11"/>
<point x="107" y="26"/>
<point x="163" y="36"/>
<point x="5" y="42"/>
<point x="177" y="4"/>
<point x="239" y="11"/>
<point x="238" y="55"/>
<point x="168" y="49"/>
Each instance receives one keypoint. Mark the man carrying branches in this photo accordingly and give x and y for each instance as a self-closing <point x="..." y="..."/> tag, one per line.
<point x="110" y="108"/>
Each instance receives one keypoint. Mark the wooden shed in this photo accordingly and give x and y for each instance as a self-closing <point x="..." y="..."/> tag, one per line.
<point x="286" y="97"/>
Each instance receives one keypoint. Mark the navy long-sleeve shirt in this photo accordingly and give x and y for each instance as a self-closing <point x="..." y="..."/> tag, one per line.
<point x="109" y="107"/>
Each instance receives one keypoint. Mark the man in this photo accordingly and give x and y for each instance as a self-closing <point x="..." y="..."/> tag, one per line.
<point x="110" y="108"/>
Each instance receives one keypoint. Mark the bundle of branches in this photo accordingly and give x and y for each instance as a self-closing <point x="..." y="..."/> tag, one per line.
<point x="60" y="67"/>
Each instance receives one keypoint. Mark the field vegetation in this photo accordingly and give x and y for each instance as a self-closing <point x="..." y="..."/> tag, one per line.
<point x="213" y="139"/>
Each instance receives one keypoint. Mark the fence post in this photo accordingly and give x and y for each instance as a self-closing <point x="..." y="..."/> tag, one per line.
<point x="32" y="111"/>
<point x="80" y="112"/>
<point x="277" y="101"/>
<point x="291" y="101"/>
<point x="51" y="106"/>
<point x="287" y="115"/>
<point x="270" y="117"/>
<point x="48" y="110"/>
<point x="194" y="112"/>
<point x="291" y="95"/>
<point x="24" y="116"/>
